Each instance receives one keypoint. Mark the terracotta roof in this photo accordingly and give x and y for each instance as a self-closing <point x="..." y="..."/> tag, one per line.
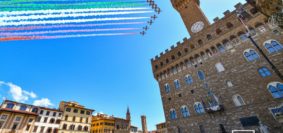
<point x="44" y="108"/>
<point x="18" y="111"/>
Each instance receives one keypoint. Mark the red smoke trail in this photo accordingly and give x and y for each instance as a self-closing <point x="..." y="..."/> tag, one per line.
<point x="18" y="38"/>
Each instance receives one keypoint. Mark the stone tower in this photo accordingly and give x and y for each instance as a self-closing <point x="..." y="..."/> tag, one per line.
<point x="192" y="15"/>
<point x="128" y="115"/>
<point x="144" y="125"/>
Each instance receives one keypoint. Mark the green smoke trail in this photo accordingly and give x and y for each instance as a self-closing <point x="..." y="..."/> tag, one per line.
<point x="23" y="7"/>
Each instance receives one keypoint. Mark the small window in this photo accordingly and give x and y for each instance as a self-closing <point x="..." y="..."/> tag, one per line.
<point x="251" y="55"/>
<point x="88" y="113"/>
<point x="4" y="117"/>
<point x="167" y="88"/>
<point x="229" y="84"/>
<point x="82" y="112"/>
<point x="221" y="48"/>
<point x="276" y="89"/>
<point x="10" y="106"/>
<point x="219" y="67"/>
<point x="17" y="119"/>
<point x="68" y="109"/>
<point x="189" y="79"/>
<point x="209" y="37"/>
<point x="41" y="112"/>
<point x="199" y="108"/>
<point x="201" y="75"/>
<point x="243" y="37"/>
<point x="238" y="100"/>
<point x="54" y="113"/>
<point x="273" y="46"/>
<point x="34" y="110"/>
<point x="75" y="111"/>
<point x="264" y="72"/>
<point x="177" y="84"/>
<point x="229" y="25"/>
<point x="23" y="108"/>
<point x="173" y="114"/>
<point x="48" y="113"/>
<point x="185" y="111"/>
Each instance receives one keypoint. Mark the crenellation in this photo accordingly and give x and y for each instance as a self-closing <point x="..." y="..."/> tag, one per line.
<point x="216" y="19"/>
<point x="238" y="5"/>
<point x="227" y="12"/>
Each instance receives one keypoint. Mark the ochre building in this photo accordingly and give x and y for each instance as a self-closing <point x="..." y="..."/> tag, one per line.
<point x="102" y="123"/>
<point x="217" y="80"/>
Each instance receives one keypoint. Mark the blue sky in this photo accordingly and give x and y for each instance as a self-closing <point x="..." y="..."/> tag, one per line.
<point x="104" y="73"/>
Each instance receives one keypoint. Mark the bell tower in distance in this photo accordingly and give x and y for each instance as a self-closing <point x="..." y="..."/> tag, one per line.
<point x="192" y="15"/>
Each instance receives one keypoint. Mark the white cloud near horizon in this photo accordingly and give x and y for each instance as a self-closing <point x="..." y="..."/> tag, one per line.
<point x="44" y="102"/>
<point x="20" y="95"/>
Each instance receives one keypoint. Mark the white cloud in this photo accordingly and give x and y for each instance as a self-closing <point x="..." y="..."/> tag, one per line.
<point x="20" y="95"/>
<point x="44" y="102"/>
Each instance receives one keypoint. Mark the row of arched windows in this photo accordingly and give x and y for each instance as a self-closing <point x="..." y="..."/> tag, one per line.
<point x="73" y="127"/>
<point x="188" y="79"/>
<point x="275" y="88"/>
<point x="198" y="107"/>
<point x="272" y="46"/>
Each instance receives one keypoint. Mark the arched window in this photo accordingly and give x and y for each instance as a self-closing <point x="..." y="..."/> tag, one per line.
<point x="10" y="105"/>
<point x="238" y="100"/>
<point x="65" y="127"/>
<point x="23" y="108"/>
<point x="85" y="128"/>
<point x="200" y="42"/>
<point x="201" y="75"/>
<point x="80" y="128"/>
<point x="177" y="84"/>
<point x="229" y="25"/>
<point x="209" y="37"/>
<point x="273" y="46"/>
<point x="173" y="114"/>
<point x="264" y="72"/>
<point x="251" y="55"/>
<point x="199" y="108"/>
<point x="66" y="118"/>
<point x="52" y="121"/>
<point x="185" y="111"/>
<point x="72" y="127"/>
<point x="221" y="48"/>
<point x="34" y="110"/>
<point x="219" y="67"/>
<point x="276" y="89"/>
<point x="167" y="88"/>
<point x="58" y="121"/>
<point x="189" y="79"/>
<point x="49" y="130"/>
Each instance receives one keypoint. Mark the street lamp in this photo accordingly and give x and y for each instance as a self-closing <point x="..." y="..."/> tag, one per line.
<point x="240" y="17"/>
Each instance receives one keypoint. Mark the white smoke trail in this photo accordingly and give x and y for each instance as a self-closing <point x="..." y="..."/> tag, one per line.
<point x="68" y="21"/>
<point x="64" y="31"/>
<point x="64" y="15"/>
<point x="9" y="13"/>
<point x="85" y="35"/>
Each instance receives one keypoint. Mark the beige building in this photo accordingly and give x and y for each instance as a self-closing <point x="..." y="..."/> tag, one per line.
<point x="161" y="128"/>
<point x="17" y="117"/>
<point x="217" y="80"/>
<point x="76" y="118"/>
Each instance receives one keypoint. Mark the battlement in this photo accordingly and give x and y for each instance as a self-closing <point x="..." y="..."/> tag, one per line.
<point x="181" y="4"/>
<point x="209" y="40"/>
<point x="217" y="21"/>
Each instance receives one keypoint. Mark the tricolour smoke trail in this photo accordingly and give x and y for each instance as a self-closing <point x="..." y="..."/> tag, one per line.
<point x="69" y="21"/>
<point x="69" y="26"/>
<point x="49" y="11"/>
<point x="64" y="36"/>
<point x="63" y="15"/>
<point x="64" y="31"/>
<point x="23" y="7"/>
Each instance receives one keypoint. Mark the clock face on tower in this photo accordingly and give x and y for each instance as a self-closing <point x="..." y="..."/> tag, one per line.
<point x="197" y="27"/>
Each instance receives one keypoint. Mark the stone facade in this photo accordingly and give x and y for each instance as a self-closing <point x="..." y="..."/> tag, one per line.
<point x="209" y="82"/>
<point x="161" y="128"/>
<point x="76" y="118"/>
<point x="17" y="117"/>
<point x="48" y="121"/>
